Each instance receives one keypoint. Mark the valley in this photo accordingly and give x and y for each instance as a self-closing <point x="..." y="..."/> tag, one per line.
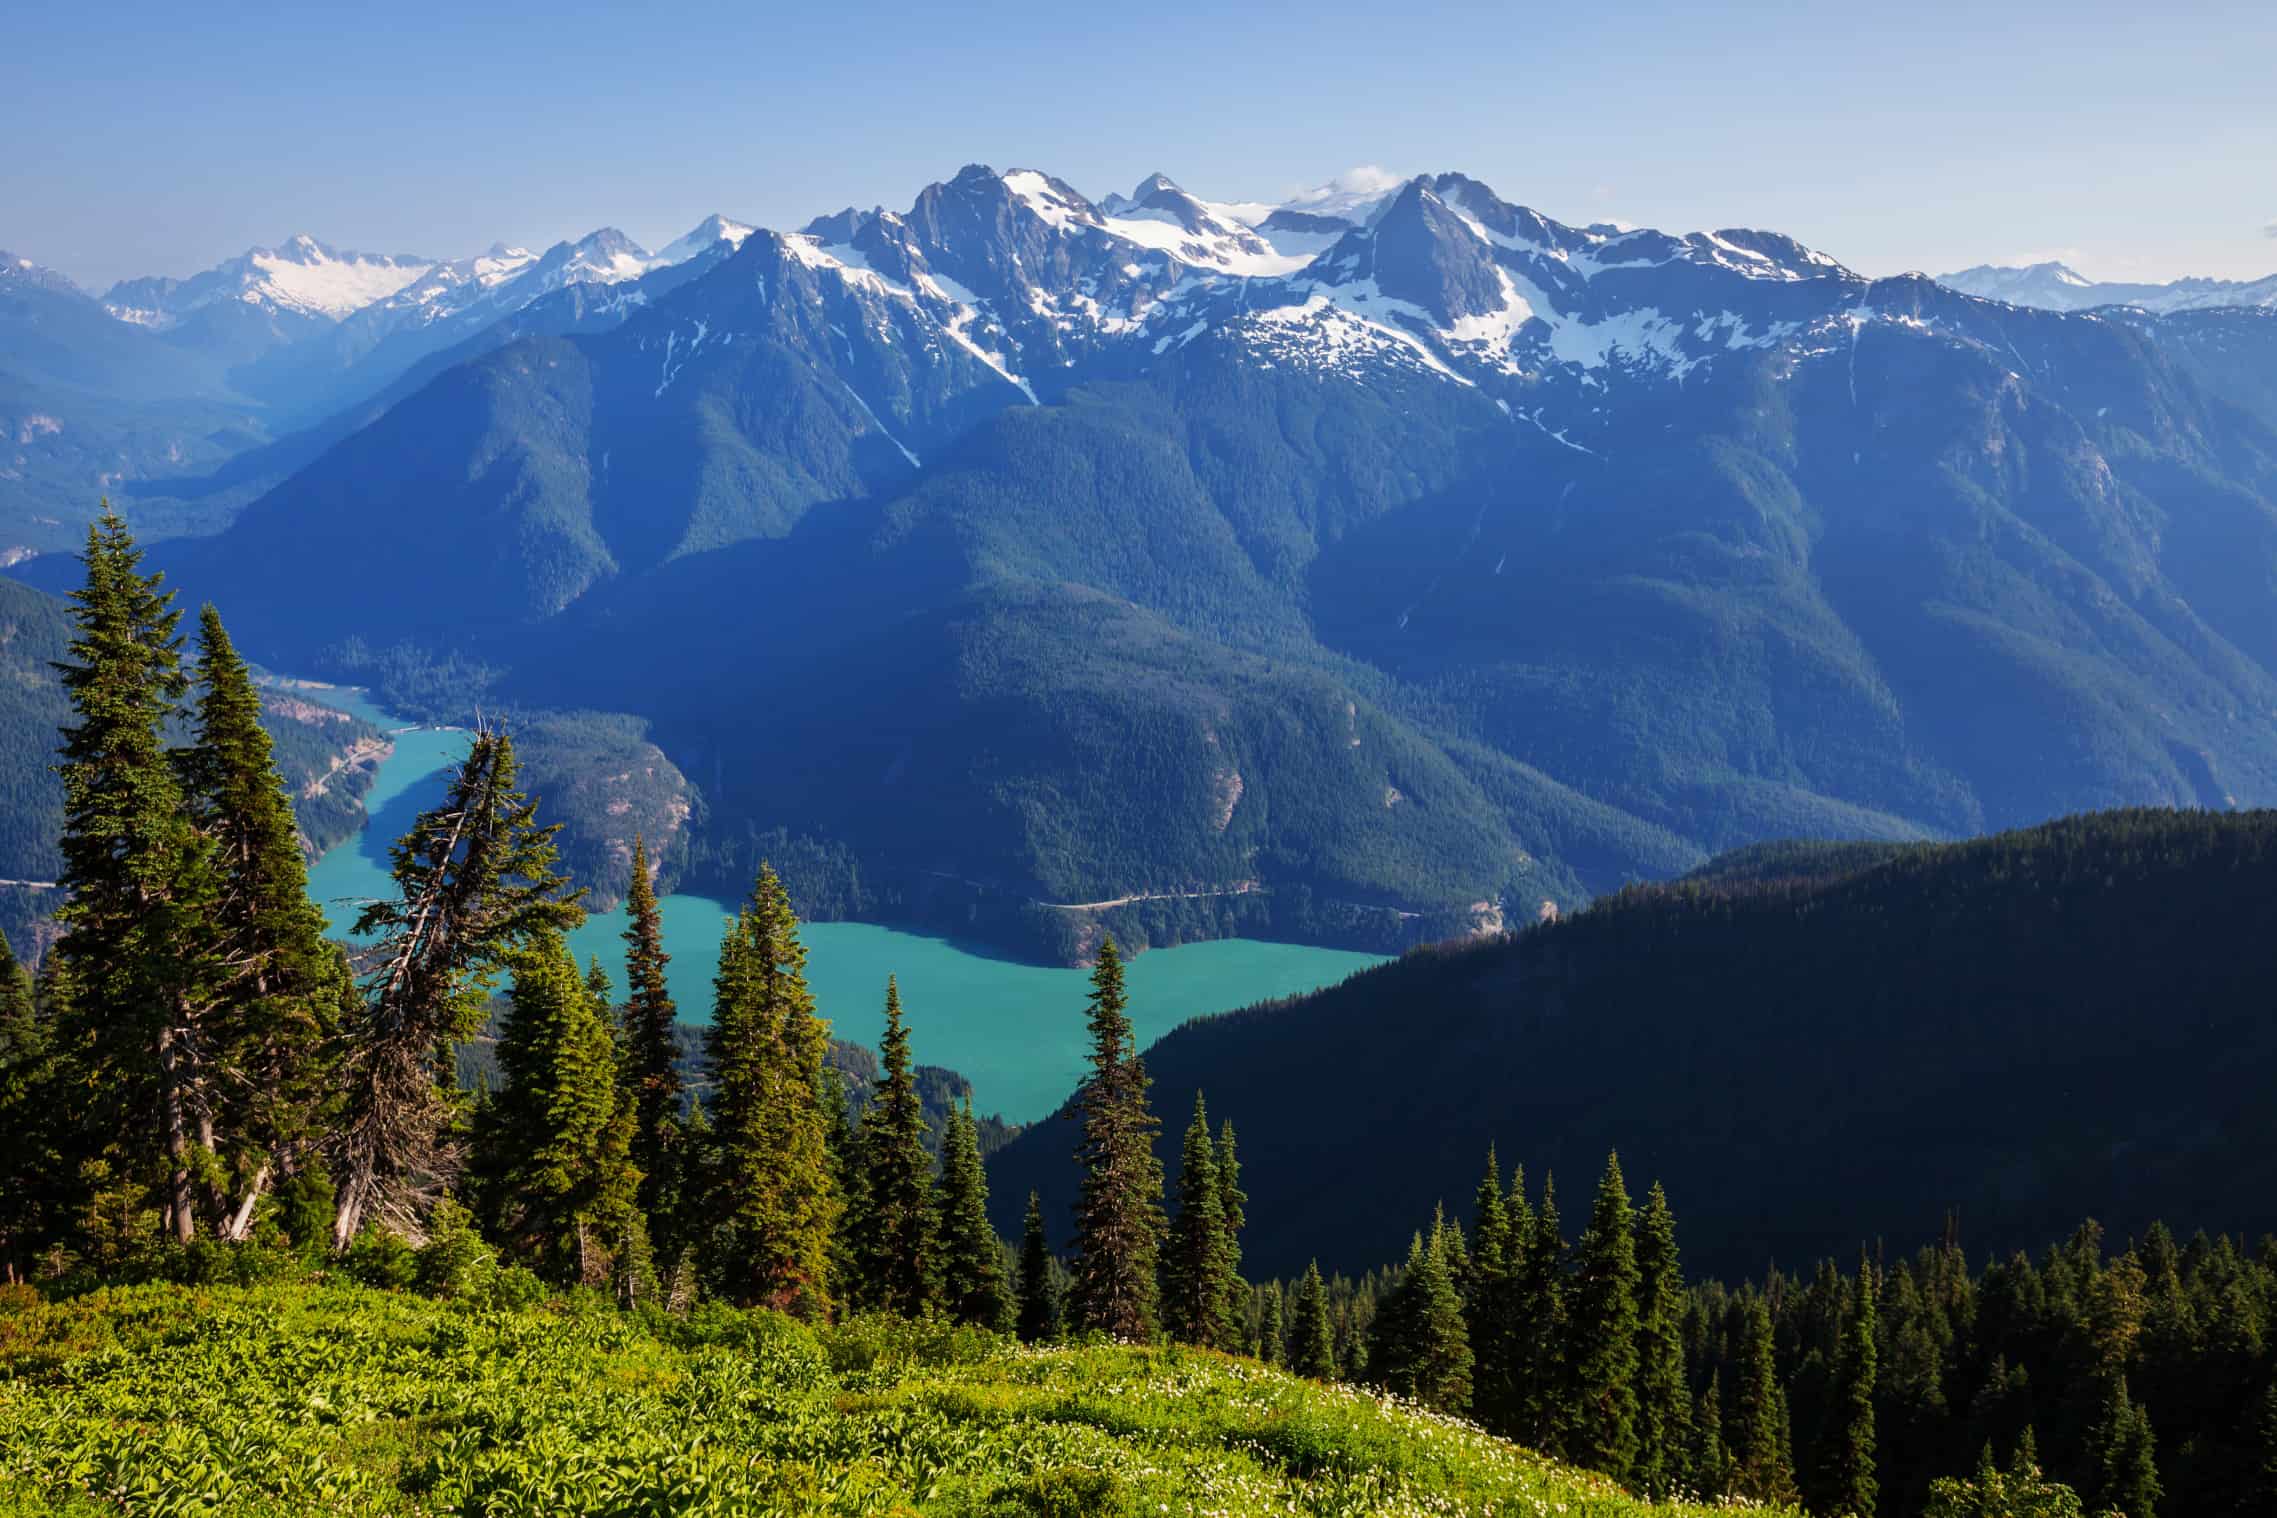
<point x="1014" y="1030"/>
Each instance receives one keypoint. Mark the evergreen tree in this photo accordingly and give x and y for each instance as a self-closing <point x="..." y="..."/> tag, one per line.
<point x="555" y="1143"/>
<point x="31" y="1162"/>
<point x="1312" y="1345"/>
<point x="1233" y="1208"/>
<point x="137" y="883"/>
<point x="2261" y="1455"/>
<point x="894" y="1238"/>
<point x="1421" y="1347"/>
<point x="1602" y="1363"/>
<point x="652" y="1048"/>
<point x="1711" y="1468"/>
<point x="280" y="988"/>
<point x="772" y="1204"/>
<point x="1540" y="1350"/>
<point x="1847" y="1466"/>
<point x="1118" y="1220"/>
<point x="1664" y="1404"/>
<point x="1489" y="1301"/>
<point x="972" y="1257"/>
<point x="1269" y="1345"/>
<point x="1039" y="1301"/>
<point x="476" y="883"/>
<point x="2124" y="1457"/>
<point x="1759" y="1448"/>
<point x="1194" y="1300"/>
<point x="843" y="1138"/>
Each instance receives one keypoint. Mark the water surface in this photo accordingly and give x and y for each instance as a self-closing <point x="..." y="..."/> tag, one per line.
<point x="1015" y="1030"/>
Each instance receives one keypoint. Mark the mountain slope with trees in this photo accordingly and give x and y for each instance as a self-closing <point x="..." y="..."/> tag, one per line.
<point x="2019" y="1031"/>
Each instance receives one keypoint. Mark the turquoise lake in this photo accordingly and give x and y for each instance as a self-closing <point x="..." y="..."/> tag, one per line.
<point x="1015" y="1030"/>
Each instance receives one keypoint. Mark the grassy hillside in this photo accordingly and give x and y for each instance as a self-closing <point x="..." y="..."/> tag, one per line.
<point x="290" y="1399"/>
<point x="2066" y="1021"/>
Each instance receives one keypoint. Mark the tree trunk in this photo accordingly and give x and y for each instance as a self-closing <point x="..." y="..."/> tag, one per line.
<point x="241" y="1223"/>
<point x="351" y="1211"/>
<point x="177" y="1136"/>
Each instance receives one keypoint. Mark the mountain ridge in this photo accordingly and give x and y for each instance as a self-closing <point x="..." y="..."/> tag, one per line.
<point x="1481" y="562"/>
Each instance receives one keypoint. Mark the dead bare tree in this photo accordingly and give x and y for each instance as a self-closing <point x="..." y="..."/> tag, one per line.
<point x="475" y="877"/>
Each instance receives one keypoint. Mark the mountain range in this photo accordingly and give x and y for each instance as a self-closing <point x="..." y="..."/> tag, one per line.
<point x="169" y="391"/>
<point x="1394" y="562"/>
<point x="2055" y="286"/>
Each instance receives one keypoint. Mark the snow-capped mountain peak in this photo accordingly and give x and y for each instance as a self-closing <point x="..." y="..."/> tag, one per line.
<point x="705" y="235"/>
<point x="303" y="277"/>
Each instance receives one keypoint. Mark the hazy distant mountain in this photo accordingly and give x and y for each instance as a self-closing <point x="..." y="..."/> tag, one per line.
<point x="184" y="398"/>
<point x="304" y="277"/>
<point x="2056" y="287"/>
<point x="1016" y="553"/>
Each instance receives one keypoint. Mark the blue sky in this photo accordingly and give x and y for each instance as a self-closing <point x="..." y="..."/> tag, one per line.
<point x="2133" y="141"/>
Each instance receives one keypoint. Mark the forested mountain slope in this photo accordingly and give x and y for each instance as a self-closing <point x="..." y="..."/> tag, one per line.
<point x="1023" y="551"/>
<point x="2018" y="1031"/>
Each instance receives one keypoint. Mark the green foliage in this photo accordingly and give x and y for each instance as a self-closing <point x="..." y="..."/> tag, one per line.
<point x="1312" y="1341"/>
<point x="1118" y="1222"/>
<point x="379" y="1257"/>
<point x="137" y="876"/>
<point x="1601" y="1357"/>
<point x="1849" y="1486"/>
<point x="2019" y="1492"/>
<point x="769" y="1199"/>
<point x="651" y="1074"/>
<point x="476" y="886"/>
<point x="1039" y="1302"/>
<point x="1761" y="1439"/>
<point x="1196" y="1305"/>
<point x="1422" y="1346"/>
<point x="973" y="1288"/>
<point x="160" y="1399"/>
<point x="1664" y="1401"/>
<point x="553" y="1148"/>
<point x="895" y="1236"/>
<point x="2124" y="1453"/>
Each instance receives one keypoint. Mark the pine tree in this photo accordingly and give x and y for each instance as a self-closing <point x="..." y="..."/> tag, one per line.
<point x="1312" y="1344"/>
<point x="1847" y="1466"/>
<point x="1039" y="1302"/>
<point x="1760" y="1450"/>
<point x="1270" y="1345"/>
<point x="1194" y="1304"/>
<point x="1664" y="1404"/>
<point x="972" y="1257"/>
<point x="31" y="1163"/>
<point x="1422" y="1348"/>
<point x="1233" y="1208"/>
<point x="1541" y="1293"/>
<point x="772" y="1204"/>
<point x="652" y="1049"/>
<point x="2261" y="1455"/>
<point x="281" y="989"/>
<point x="2124" y="1457"/>
<point x="561" y="1192"/>
<point x="894" y="1238"/>
<point x="1602" y="1363"/>
<point x="137" y="881"/>
<point x="842" y="1137"/>
<point x="1118" y="1221"/>
<point x="1489" y="1301"/>
<point x="476" y="884"/>
<point x="1711" y="1468"/>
